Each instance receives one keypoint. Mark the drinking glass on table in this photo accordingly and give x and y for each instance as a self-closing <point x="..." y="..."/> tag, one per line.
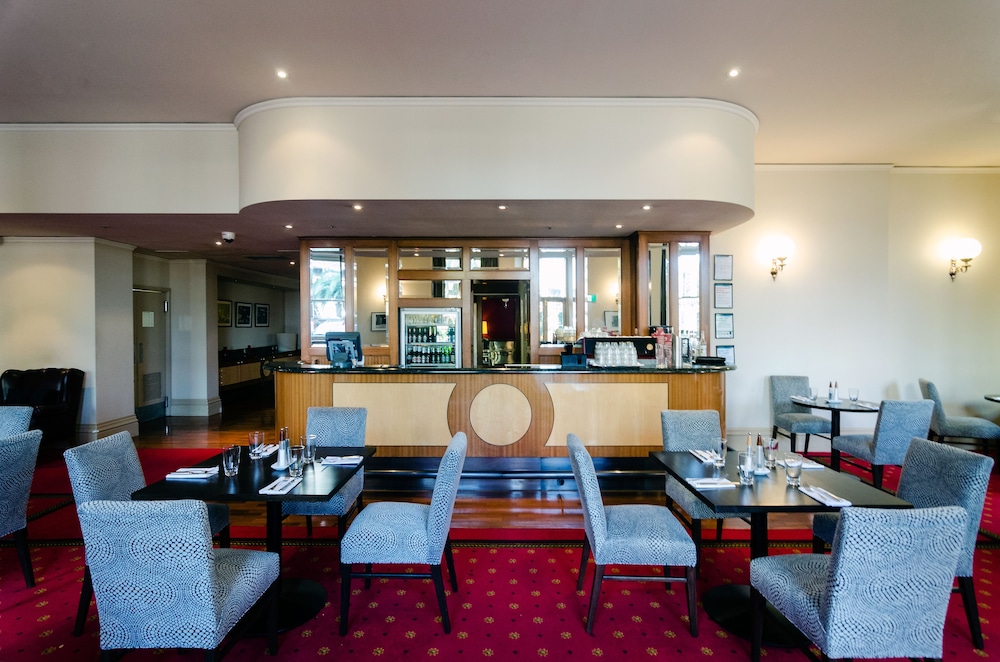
<point x="308" y="441"/>
<point x="813" y="393"/>
<point x="255" y="440"/>
<point x="746" y="466"/>
<point x="296" y="460"/>
<point x="719" y="450"/>
<point x="853" y="394"/>
<point x="231" y="460"/>
<point x="793" y="468"/>
<point x="770" y="452"/>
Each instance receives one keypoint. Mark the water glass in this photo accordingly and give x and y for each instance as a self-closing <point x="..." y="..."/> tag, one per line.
<point x="308" y="441"/>
<point x="719" y="459"/>
<point x="770" y="452"/>
<point x="853" y="394"/>
<point x="793" y="469"/>
<point x="296" y="460"/>
<point x="231" y="460"/>
<point x="813" y="393"/>
<point x="255" y="440"/>
<point x="746" y="466"/>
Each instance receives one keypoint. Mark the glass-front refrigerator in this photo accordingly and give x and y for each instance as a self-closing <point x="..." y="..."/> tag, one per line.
<point x="430" y="337"/>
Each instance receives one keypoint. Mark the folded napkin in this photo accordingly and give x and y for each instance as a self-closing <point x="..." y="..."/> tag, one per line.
<point x="824" y="497"/>
<point x="193" y="473"/>
<point x="283" y="485"/>
<point x="806" y="463"/>
<point x="870" y="406"/>
<point x="268" y="449"/>
<point x="710" y="483"/>
<point x="803" y="400"/>
<point x="342" y="459"/>
<point x="702" y="455"/>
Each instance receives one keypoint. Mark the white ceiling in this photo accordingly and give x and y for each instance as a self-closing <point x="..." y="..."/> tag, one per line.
<point x="901" y="82"/>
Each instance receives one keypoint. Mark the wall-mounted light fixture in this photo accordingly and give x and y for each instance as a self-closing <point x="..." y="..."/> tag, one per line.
<point x="780" y="250"/>
<point x="964" y="251"/>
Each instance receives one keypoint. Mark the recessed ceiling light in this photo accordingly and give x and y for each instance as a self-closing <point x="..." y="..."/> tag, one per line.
<point x="734" y="72"/>
<point x="358" y="207"/>
<point x="281" y="73"/>
<point x="292" y="263"/>
<point x="647" y="207"/>
<point x="501" y="207"/>
<point x="618" y="226"/>
<point x="218" y="243"/>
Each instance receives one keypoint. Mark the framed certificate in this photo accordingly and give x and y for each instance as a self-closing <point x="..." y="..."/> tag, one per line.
<point x="724" y="326"/>
<point x="728" y="352"/>
<point x="723" y="267"/>
<point x="723" y="295"/>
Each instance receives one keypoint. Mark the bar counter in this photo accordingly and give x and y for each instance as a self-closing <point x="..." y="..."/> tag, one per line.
<point x="511" y="411"/>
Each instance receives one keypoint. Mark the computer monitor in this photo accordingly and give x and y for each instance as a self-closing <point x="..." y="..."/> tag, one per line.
<point x="343" y="349"/>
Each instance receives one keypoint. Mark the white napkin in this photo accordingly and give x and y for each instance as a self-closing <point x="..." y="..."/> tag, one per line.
<point x="268" y="449"/>
<point x="193" y="473"/>
<point x="806" y="463"/>
<point x="702" y="455"/>
<point x="342" y="459"/>
<point x="803" y="399"/>
<point x="824" y="497"/>
<point x="870" y="406"/>
<point x="283" y="485"/>
<point x="710" y="483"/>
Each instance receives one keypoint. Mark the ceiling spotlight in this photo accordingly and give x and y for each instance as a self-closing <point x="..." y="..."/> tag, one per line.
<point x="647" y="207"/>
<point x="358" y="207"/>
<point x="734" y="72"/>
<point x="218" y="243"/>
<point x="288" y="226"/>
<point x="501" y="207"/>
<point x="618" y="226"/>
<point x="281" y="73"/>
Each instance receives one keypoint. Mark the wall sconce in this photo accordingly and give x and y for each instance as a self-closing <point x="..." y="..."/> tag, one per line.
<point x="777" y="264"/>
<point x="964" y="251"/>
<point x="781" y="249"/>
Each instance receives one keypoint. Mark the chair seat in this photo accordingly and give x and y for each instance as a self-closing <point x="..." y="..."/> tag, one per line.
<point x="243" y="576"/>
<point x="643" y="534"/>
<point x="969" y="427"/>
<point x="388" y="532"/>
<point x="803" y="423"/>
<point x="692" y="505"/>
<point x="339" y="504"/>
<point x="794" y="584"/>
<point x="861" y="446"/>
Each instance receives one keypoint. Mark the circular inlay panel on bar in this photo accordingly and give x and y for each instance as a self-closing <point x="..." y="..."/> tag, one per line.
<point x="500" y="414"/>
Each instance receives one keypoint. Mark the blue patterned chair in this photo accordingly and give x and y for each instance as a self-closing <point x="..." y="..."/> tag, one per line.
<point x="18" y="454"/>
<point x="789" y="419"/>
<point x="898" y="422"/>
<point x="161" y="584"/>
<point x="108" y="469"/>
<point x="938" y="475"/>
<point x="333" y="427"/>
<point x="406" y="533"/>
<point x="883" y="592"/>
<point x="685" y="430"/>
<point x="14" y="419"/>
<point x="636" y="534"/>
<point x="944" y="427"/>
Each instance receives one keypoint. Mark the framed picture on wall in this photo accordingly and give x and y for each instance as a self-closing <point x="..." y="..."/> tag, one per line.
<point x="728" y="352"/>
<point x="244" y="314"/>
<point x="723" y="267"/>
<point x="379" y="322"/>
<point x="611" y="320"/>
<point x="225" y="312"/>
<point x="262" y="314"/>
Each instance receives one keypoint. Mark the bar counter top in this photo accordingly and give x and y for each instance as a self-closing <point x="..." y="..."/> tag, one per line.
<point x="296" y="366"/>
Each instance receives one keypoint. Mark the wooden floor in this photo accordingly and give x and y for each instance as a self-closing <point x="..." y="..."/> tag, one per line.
<point x="521" y="510"/>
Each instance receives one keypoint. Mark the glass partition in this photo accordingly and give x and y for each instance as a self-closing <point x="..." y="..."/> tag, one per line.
<point x="499" y="258"/>
<point x="602" y="268"/>
<point x="326" y="293"/>
<point x="557" y="295"/>
<point x="430" y="258"/>
<point x="430" y="289"/>
<point x="371" y="279"/>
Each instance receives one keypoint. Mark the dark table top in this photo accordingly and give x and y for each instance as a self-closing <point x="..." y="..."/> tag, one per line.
<point x="840" y="405"/>
<point x="319" y="482"/>
<point x="771" y="493"/>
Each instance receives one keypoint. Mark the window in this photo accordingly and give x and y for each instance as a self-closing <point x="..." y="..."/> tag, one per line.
<point x="557" y="284"/>
<point x="326" y="293"/>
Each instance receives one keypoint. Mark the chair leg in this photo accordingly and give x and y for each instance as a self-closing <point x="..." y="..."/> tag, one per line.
<point x="309" y="527"/>
<point x="595" y="597"/>
<point x="583" y="562"/>
<point x="272" y="620"/>
<point x="696" y="538"/>
<point x="806" y="449"/>
<point x="449" y="559"/>
<point x="345" y="595"/>
<point x="442" y="602"/>
<point x="224" y="538"/>
<point x="718" y="529"/>
<point x="24" y="556"/>
<point x="368" y="575"/>
<point x="791" y="441"/>
<point x="757" y="603"/>
<point x="86" y="593"/>
<point x="691" y="575"/>
<point x="835" y="459"/>
<point x="968" y="591"/>
<point x="877" y="472"/>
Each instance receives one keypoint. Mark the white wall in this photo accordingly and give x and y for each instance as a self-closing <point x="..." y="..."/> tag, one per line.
<point x="114" y="373"/>
<point x="865" y="298"/>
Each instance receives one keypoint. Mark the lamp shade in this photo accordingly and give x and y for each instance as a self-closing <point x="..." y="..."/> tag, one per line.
<point x="966" y="249"/>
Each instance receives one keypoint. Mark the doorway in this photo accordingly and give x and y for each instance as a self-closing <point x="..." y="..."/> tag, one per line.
<point x="500" y="309"/>
<point x="151" y="367"/>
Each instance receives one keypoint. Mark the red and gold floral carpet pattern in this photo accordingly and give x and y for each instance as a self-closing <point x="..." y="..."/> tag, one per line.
<point x="515" y="601"/>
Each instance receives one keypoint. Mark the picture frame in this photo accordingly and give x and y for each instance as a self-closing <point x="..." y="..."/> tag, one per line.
<point x="612" y="320"/>
<point x="262" y="314"/>
<point x="724" y="329"/>
<point x="723" y="295"/>
<point x="225" y="313"/>
<point x="723" y="267"/>
<point x="244" y="314"/>
<point x="380" y="322"/>
<point x="728" y="352"/>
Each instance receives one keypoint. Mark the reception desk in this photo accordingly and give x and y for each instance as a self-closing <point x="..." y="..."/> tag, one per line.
<point x="519" y="411"/>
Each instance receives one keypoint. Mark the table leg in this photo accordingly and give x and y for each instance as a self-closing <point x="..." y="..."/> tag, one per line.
<point x="834" y="433"/>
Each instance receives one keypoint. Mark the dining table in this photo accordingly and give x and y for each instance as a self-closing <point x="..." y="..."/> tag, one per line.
<point x="300" y="599"/>
<point x="993" y="398"/>
<point x="729" y="604"/>
<point x="836" y="408"/>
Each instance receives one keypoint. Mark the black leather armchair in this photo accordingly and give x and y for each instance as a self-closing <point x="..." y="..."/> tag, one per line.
<point x="54" y="393"/>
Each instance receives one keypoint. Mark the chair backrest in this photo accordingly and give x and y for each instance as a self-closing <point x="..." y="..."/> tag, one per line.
<point x="783" y="387"/>
<point x="443" y="497"/>
<point x="106" y="469"/>
<point x="595" y="519"/>
<point x="337" y="426"/>
<point x="936" y="474"/>
<point x="889" y="580"/>
<point x="152" y="565"/>
<point x="929" y="392"/>
<point x="14" y="419"/>
<point x="18" y="454"/>
<point x="685" y="430"/>
<point x="898" y="422"/>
